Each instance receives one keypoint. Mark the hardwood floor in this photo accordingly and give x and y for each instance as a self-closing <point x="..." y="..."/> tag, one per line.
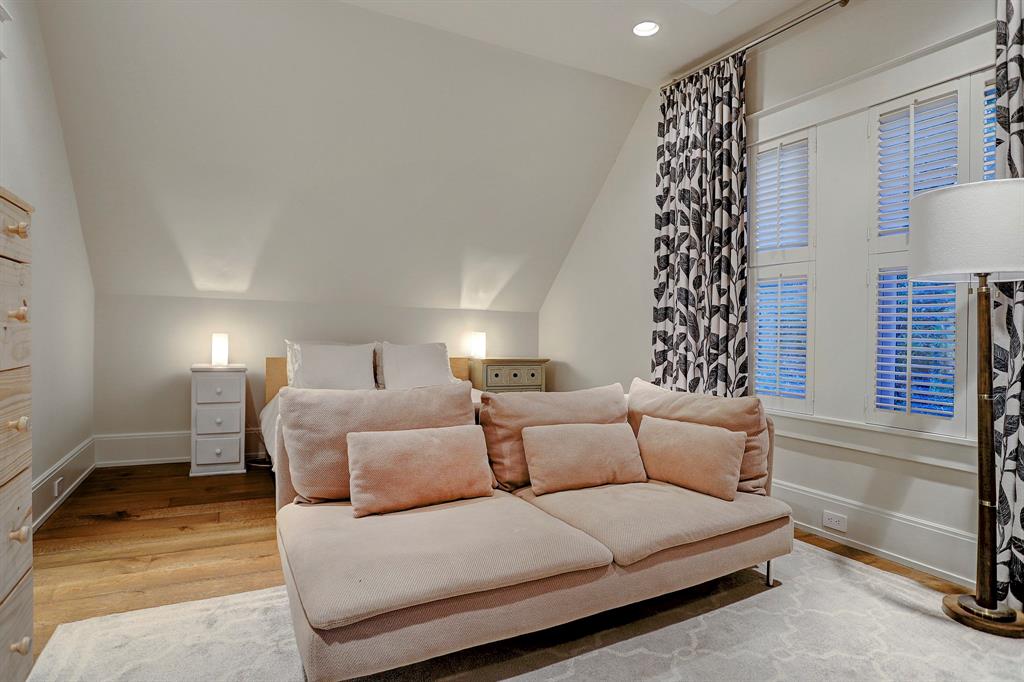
<point x="135" y="537"/>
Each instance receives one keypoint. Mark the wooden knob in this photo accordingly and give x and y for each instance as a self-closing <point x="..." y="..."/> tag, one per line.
<point x="23" y="647"/>
<point x="19" y="424"/>
<point x="19" y="230"/>
<point x="19" y="314"/>
<point x="20" y="535"/>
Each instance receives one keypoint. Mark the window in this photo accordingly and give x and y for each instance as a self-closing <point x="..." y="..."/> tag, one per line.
<point x="919" y="350"/>
<point x="781" y="337"/>
<point x="915" y="341"/>
<point x="782" y="198"/>
<point x="918" y="150"/>
<point x="988" y="134"/>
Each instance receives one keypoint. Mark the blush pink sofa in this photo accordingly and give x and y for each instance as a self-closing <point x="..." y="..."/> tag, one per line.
<point x="379" y="592"/>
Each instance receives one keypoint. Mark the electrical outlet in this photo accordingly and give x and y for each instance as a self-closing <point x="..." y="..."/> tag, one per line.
<point x="58" y="487"/>
<point x="833" y="520"/>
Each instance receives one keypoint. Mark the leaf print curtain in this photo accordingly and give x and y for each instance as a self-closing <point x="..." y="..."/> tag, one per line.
<point x="1008" y="318"/>
<point x="700" y="272"/>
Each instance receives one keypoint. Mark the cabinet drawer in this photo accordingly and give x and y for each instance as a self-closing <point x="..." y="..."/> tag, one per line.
<point x="515" y="375"/>
<point x="218" y="420"/>
<point x="497" y="375"/>
<point x="218" y="387"/>
<point x="16" y="314"/>
<point x="15" y="233"/>
<point x="217" y="450"/>
<point x="15" y="530"/>
<point x="15" y="422"/>
<point x="16" y="632"/>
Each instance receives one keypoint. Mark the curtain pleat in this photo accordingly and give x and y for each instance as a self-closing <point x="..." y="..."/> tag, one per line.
<point x="700" y="274"/>
<point x="1008" y="318"/>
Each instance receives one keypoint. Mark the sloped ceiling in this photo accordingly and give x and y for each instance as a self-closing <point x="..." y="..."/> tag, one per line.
<point x="316" y="151"/>
<point x="597" y="35"/>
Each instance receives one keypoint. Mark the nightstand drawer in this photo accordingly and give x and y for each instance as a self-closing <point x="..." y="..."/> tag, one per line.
<point x="218" y="387"/>
<point x="16" y="631"/>
<point x="218" y="420"/>
<point x="217" y="450"/>
<point x="500" y="376"/>
<point x="15" y="422"/>
<point x="15" y="233"/>
<point x="15" y="530"/>
<point x="15" y="309"/>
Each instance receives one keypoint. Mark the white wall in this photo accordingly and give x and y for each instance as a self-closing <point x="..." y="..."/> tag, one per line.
<point x="910" y="498"/>
<point x="145" y="344"/>
<point x="35" y="166"/>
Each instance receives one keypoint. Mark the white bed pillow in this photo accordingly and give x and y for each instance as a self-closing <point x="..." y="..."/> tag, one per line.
<point x="330" y="365"/>
<point x="412" y="366"/>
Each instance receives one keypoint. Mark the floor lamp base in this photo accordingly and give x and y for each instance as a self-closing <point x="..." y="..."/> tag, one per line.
<point x="1003" y="622"/>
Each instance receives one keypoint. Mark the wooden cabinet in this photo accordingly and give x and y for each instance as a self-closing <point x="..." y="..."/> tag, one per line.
<point x="501" y="375"/>
<point x="15" y="438"/>
<point x="218" y="419"/>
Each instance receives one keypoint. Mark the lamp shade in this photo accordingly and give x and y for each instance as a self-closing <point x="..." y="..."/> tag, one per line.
<point x="960" y="231"/>
<point x="219" y="349"/>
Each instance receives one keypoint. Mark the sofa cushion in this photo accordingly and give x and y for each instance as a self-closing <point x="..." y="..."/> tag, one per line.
<point x="315" y="424"/>
<point x="635" y="520"/>
<point x="347" y="569"/>
<point x="693" y="456"/>
<point x="571" y="456"/>
<point x="505" y="415"/>
<point x="395" y="470"/>
<point x="735" y="414"/>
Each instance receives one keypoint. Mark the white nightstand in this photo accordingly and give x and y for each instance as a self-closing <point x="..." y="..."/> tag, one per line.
<point x="218" y="419"/>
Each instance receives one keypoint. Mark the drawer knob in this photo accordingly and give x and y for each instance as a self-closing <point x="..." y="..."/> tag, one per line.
<point x="218" y="421"/>
<point x="23" y="647"/>
<point x="20" y="424"/>
<point x="20" y="536"/>
<point x="218" y="451"/>
<point x="218" y="390"/>
<point x="19" y="230"/>
<point x="19" y="314"/>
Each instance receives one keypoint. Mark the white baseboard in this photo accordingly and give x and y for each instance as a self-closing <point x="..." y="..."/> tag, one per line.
<point x="948" y="553"/>
<point x="74" y="467"/>
<point x="156" y="447"/>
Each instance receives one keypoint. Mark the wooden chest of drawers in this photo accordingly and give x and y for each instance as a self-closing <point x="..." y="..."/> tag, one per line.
<point x="15" y="438"/>
<point x="502" y="375"/>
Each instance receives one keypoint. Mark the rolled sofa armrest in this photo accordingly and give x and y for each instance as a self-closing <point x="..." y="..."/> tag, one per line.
<point x="285" y="491"/>
<point x="771" y="454"/>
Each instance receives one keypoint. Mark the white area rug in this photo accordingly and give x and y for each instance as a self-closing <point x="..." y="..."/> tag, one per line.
<point x="830" y="619"/>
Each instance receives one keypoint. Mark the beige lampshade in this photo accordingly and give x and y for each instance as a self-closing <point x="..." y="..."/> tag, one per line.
<point x="960" y="231"/>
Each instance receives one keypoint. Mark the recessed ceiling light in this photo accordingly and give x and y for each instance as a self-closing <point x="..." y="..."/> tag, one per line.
<point x="646" y="29"/>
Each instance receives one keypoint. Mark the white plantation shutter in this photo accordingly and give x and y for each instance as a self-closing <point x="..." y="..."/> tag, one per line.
<point x="917" y="151"/>
<point x="780" y="336"/>
<point x="988" y="135"/>
<point x="915" y="345"/>
<point x="782" y="197"/>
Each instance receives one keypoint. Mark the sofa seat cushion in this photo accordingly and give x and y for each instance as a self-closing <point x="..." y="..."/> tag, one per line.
<point x="348" y="569"/>
<point x="636" y="520"/>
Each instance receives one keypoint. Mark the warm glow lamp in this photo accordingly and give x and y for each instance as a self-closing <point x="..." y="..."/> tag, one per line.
<point x="974" y="233"/>
<point x="219" y="349"/>
<point x="478" y="344"/>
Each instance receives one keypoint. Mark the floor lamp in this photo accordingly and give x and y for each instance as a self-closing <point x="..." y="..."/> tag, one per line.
<point x="975" y="233"/>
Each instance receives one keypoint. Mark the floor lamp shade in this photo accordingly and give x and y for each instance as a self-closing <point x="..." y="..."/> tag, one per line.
<point x="957" y="232"/>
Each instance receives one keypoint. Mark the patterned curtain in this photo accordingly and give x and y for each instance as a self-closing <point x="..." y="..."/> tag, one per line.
<point x="1008" y="318"/>
<point x="700" y="311"/>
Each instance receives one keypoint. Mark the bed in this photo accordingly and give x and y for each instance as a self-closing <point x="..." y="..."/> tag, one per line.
<point x="277" y="378"/>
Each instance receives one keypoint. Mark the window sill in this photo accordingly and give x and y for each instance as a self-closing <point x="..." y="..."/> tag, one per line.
<point x="848" y="441"/>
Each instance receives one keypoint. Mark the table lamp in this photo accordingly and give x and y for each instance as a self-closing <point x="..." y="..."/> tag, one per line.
<point x="975" y="233"/>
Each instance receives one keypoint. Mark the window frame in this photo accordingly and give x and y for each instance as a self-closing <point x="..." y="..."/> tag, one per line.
<point x="790" y="255"/>
<point x="803" y="405"/>
<point x="965" y="149"/>
<point x="957" y="424"/>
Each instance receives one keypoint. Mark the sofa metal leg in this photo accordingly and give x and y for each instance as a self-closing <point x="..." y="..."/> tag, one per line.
<point x="768" y="573"/>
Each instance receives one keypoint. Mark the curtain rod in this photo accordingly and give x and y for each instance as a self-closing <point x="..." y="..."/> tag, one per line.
<point x="810" y="14"/>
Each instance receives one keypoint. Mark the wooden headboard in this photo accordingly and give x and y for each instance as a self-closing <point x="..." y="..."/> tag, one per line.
<point x="277" y="374"/>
